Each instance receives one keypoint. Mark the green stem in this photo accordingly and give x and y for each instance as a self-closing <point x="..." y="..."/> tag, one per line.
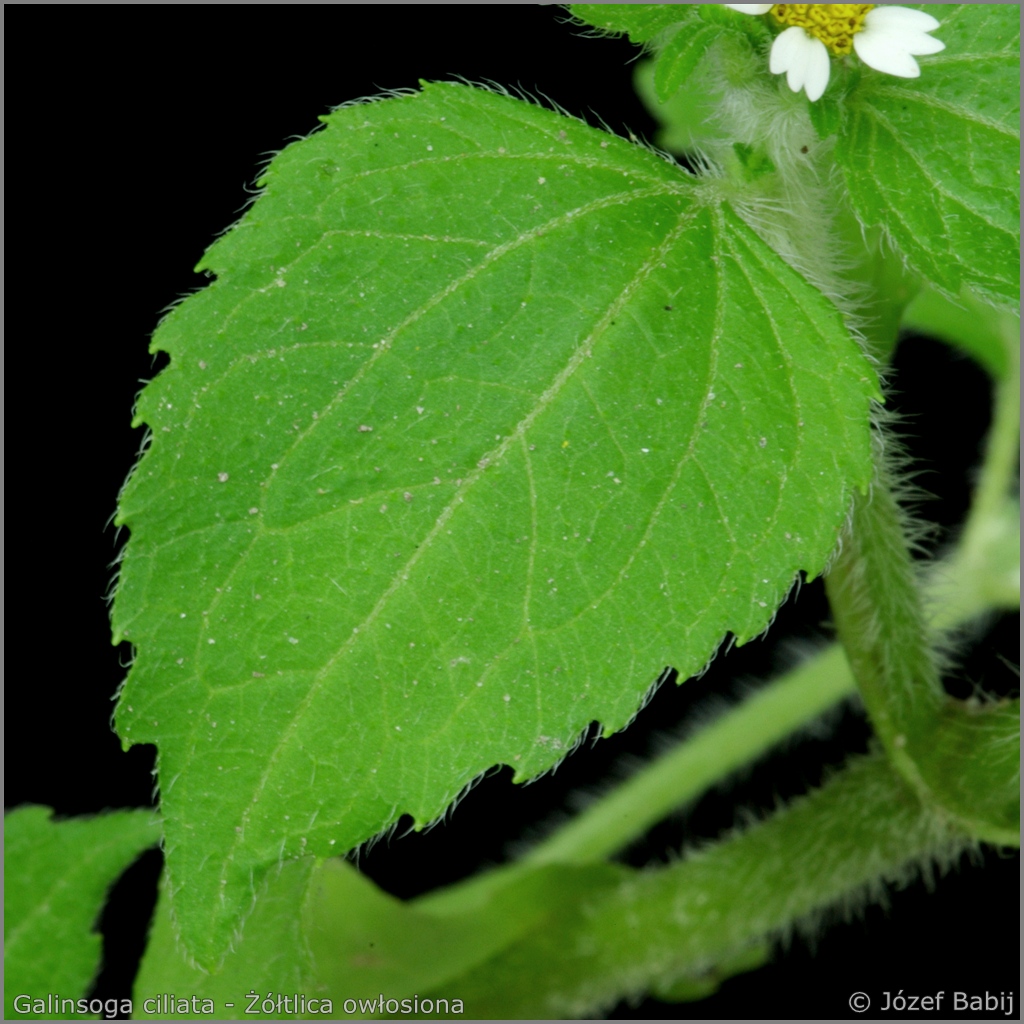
<point x="991" y="534"/>
<point x="961" y="758"/>
<point x="878" y="615"/>
<point x="659" y="929"/>
<point x="1001" y="448"/>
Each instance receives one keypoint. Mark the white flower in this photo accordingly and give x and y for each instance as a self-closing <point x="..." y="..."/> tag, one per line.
<point x="885" y="38"/>
<point x="891" y="35"/>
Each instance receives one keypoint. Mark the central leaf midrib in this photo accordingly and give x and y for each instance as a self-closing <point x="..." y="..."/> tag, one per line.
<point x="259" y="530"/>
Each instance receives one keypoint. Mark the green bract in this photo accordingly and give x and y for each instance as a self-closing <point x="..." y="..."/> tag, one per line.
<point x="487" y="419"/>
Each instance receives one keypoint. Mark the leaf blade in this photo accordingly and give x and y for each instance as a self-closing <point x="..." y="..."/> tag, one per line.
<point x="417" y="536"/>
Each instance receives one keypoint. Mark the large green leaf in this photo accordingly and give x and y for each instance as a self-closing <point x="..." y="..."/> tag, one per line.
<point x="487" y="418"/>
<point x="935" y="160"/>
<point x="56" y="877"/>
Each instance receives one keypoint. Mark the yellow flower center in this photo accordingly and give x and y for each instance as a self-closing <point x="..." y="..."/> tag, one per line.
<point x="834" y="24"/>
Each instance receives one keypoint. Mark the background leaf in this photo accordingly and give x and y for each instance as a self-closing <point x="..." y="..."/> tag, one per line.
<point x="365" y="942"/>
<point x="56" y="877"/>
<point x="681" y="56"/>
<point x="935" y="160"/>
<point x="684" y="117"/>
<point x="643" y="22"/>
<point x="488" y="418"/>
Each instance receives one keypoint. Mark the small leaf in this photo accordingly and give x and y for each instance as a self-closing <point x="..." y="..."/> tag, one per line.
<point x="680" y="56"/>
<point x="935" y="160"/>
<point x="56" y="877"/>
<point x="642" y="22"/>
<point x="487" y="419"/>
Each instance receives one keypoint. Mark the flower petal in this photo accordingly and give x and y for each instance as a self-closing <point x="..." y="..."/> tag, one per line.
<point x="749" y="8"/>
<point x="902" y="31"/>
<point x="879" y="52"/>
<point x="894" y="17"/>
<point x="921" y="45"/>
<point x="786" y="49"/>
<point x="816" y="71"/>
<point x="804" y="60"/>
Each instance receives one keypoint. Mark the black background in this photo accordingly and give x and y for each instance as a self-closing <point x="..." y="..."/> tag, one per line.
<point x="133" y="133"/>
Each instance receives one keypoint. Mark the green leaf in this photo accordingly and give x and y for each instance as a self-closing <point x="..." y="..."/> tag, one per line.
<point x="935" y="160"/>
<point x="987" y="334"/>
<point x="56" y="877"/>
<point x="488" y="418"/>
<point x="680" y="57"/>
<point x="642" y="22"/>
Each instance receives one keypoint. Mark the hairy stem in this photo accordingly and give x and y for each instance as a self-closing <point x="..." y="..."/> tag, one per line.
<point x="878" y="614"/>
<point x="659" y="927"/>
<point x="961" y="758"/>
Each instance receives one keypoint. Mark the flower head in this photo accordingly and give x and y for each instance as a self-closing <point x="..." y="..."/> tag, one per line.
<point x="886" y="38"/>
